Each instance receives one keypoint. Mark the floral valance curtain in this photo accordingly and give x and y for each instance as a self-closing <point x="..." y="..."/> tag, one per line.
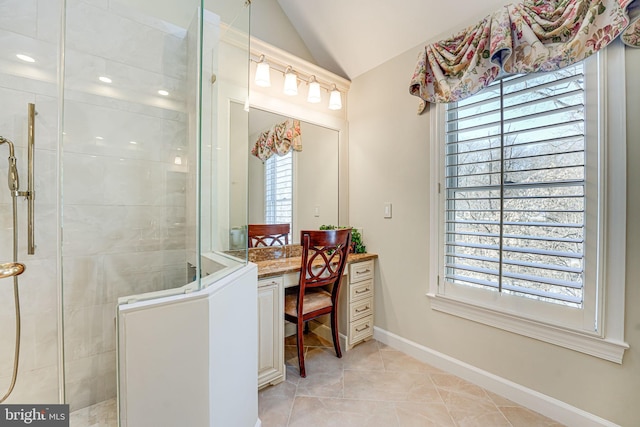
<point x="280" y="139"/>
<point x="536" y="35"/>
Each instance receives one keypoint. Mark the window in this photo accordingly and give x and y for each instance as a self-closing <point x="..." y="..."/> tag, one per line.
<point x="279" y="189"/>
<point x="521" y="207"/>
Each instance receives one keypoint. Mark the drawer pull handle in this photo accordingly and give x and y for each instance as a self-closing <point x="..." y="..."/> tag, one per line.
<point x="362" y="309"/>
<point x="362" y="290"/>
<point x="273" y="282"/>
<point x="363" y="272"/>
<point x="363" y="329"/>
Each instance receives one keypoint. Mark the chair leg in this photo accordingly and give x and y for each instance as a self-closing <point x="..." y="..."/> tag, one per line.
<point x="300" y="343"/>
<point x="306" y="327"/>
<point x="334" y="333"/>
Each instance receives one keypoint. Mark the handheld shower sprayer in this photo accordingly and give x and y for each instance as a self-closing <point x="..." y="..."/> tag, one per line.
<point x="15" y="268"/>
<point x="12" y="176"/>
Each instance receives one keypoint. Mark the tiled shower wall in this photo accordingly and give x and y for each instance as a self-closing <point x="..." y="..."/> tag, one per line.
<point x="124" y="168"/>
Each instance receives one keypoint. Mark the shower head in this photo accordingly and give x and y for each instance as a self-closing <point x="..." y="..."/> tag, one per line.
<point x="3" y="140"/>
<point x="13" y="179"/>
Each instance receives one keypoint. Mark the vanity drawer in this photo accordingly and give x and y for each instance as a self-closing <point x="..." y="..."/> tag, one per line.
<point x="361" y="329"/>
<point x="361" y="290"/>
<point x="360" y="309"/>
<point x="270" y="281"/>
<point x="360" y="271"/>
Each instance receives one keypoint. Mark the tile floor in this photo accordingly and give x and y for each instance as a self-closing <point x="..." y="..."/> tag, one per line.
<point x="372" y="385"/>
<point x="101" y="414"/>
<point x="375" y="385"/>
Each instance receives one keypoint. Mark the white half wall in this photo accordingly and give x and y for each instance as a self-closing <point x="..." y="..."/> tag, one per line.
<point x="191" y="359"/>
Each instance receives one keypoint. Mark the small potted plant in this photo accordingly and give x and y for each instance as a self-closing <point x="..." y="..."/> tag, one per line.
<point x="357" y="246"/>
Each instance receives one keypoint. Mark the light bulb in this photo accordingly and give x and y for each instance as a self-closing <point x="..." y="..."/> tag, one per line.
<point x="290" y="82"/>
<point x="263" y="73"/>
<point x="335" y="99"/>
<point x="314" y="91"/>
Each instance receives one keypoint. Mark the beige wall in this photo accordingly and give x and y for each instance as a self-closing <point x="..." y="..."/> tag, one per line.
<point x="388" y="162"/>
<point x="270" y="24"/>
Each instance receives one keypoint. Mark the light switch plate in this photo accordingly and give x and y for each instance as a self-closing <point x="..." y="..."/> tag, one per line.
<point x="387" y="209"/>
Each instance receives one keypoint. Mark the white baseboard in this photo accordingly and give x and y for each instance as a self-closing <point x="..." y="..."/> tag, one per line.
<point x="538" y="402"/>
<point x="258" y="423"/>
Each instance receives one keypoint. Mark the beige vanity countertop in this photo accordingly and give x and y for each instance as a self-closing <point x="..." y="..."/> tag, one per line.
<point x="280" y="266"/>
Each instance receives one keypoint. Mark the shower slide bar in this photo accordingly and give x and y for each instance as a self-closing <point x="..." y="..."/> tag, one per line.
<point x="14" y="183"/>
<point x="30" y="194"/>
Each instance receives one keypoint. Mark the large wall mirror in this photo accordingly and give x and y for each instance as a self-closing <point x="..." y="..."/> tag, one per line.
<point x="302" y="187"/>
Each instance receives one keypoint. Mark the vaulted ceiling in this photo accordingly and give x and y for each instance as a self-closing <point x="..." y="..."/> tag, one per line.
<point x="350" y="37"/>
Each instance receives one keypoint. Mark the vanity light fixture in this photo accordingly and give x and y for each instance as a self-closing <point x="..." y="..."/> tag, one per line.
<point x="290" y="82"/>
<point x="25" y="58"/>
<point x="104" y="79"/>
<point x="314" y="91"/>
<point x="335" y="99"/>
<point x="263" y="73"/>
<point x="291" y="79"/>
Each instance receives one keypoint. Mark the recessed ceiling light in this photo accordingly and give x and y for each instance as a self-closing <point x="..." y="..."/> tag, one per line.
<point x="25" y="58"/>
<point x="163" y="92"/>
<point x="104" y="79"/>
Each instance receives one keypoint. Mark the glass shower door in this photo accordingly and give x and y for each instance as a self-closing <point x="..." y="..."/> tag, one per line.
<point x="129" y="158"/>
<point x="29" y="34"/>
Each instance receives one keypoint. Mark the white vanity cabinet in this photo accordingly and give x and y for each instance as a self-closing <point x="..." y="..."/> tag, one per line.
<point x="356" y="300"/>
<point x="355" y="315"/>
<point x="271" y="368"/>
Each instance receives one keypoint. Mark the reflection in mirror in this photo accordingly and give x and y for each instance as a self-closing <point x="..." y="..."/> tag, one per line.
<point x="299" y="188"/>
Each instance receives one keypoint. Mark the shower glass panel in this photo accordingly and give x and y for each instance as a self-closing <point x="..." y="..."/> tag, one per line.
<point x="134" y="193"/>
<point x="28" y="74"/>
<point x="224" y="137"/>
<point x="130" y="167"/>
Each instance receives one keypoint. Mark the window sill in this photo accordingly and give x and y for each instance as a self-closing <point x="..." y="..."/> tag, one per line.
<point x="603" y="348"/>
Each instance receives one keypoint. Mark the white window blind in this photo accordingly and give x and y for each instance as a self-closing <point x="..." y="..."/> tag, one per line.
<point x="515" y="188"/>
<point x="528" y="183"/>
<point x="279" y="189"/>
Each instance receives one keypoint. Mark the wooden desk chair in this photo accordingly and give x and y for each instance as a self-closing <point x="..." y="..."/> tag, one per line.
<point x="324" y="256"/>
<point x="268" y="235"/>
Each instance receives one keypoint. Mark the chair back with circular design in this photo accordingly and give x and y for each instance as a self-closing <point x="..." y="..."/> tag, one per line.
<point x="324" y="257"/>
<point x="268" y="235"/>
